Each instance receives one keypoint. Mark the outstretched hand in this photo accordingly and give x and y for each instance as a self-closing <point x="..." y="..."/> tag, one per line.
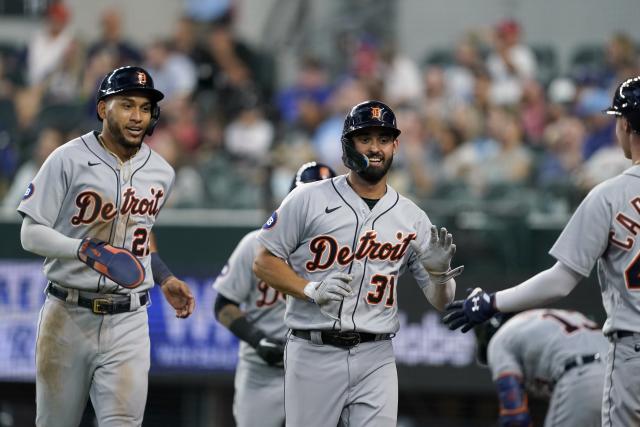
<point x="178" y="294"/>
<point x="437" y="258"/>
<point x="477" y="308"/>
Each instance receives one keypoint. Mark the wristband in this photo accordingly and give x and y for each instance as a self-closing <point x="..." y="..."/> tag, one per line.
<point x="159" y="269"/>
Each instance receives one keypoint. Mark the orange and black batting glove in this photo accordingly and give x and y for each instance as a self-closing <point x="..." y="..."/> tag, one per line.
<point x="117" y="264"/>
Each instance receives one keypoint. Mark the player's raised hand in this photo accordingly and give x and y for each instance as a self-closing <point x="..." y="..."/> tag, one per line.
<point x="334" y="287"/>
<point x="178" y="294"/>
<point x="437" y="258"/>
<point x="477" y="308"/>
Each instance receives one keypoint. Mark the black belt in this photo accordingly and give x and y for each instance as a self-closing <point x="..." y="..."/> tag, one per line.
<point x="581" y="360"/>
<point x="622" y="334"/>
<point x="109" y="304"/>
<point x="342" y="339"/>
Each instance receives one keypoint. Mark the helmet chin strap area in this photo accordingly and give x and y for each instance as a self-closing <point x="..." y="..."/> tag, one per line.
<point x="353" y="159"/>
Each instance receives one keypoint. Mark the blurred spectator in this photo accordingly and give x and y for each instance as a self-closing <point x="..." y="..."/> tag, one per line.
<point x="111" y="39"/>
<point x="48" y="140"/>
<point x="600" y="127"/>
<point x="435" y="101"/>
<point x="174" y="73"/>
<point x="249" y="135"/>
<point x="602" y="165"/>
<point x="561" y="96"/>
<point x="208" y="11"/>
<point x="401" y="80"/>
<point x="562" y="157"/>
<point x="533" y="108"/>
<point x="181" y="119"/>
<point x="311" y="88"/>
<point x="510" y="63"/>
<point x="101" y="63"/>
<point x="47" y="47"/>
<point x="460" y="75"/>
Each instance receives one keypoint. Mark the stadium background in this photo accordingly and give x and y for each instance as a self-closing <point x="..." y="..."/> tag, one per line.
<point x="503" y="234"/>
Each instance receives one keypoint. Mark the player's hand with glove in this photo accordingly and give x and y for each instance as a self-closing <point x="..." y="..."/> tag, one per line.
<point x="117" y="264"/>
<point x="271" y="350"/>
<point x="477" y="308"/>
<point x="334" y="287"/>
<point x="437" y="258"/>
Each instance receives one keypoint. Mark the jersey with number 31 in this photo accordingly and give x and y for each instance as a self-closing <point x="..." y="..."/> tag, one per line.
<point x="325" y="227"/>
<point x="82" y="190"/>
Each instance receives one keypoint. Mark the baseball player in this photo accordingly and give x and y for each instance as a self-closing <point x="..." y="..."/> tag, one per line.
<point x="554" y="354"/>
<point x="337" y="248"/>
<point x="89" y="211"/>
<point x="259" y="381"/>
<point x="602" y="230"/>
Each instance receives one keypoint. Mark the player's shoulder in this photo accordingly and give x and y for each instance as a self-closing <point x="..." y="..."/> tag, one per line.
<point x="158" y="161"/>
<point x="409" y="207"/>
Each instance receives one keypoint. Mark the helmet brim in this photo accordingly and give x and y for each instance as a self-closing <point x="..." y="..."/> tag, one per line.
<point x="154" y="95"/>
<point x="612" y="112"/>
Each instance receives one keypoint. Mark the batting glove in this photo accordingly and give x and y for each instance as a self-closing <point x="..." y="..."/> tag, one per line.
<point x="117" y="264"/>
<point x="477" y="308"/>
<point x="437" y="259"/>
<point x="334" y="288"/>
<point x="271" y="351"/>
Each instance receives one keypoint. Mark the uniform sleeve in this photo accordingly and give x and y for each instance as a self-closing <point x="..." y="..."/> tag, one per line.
<point x="502" y="357"/>
<point x="236" y="278"/>
<point x="282" y="232"/>
<point x="586" y="235"/>
<point x="44" y="196"/>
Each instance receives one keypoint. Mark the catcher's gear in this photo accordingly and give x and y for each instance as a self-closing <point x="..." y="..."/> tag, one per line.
<point x="364" y="115"/>
<point x="477" y="308"/>
<point x="437" y="259"/>
<point x="334" y="288"/>
<point x="311" y="172"/>
<point x="128" y="79"/>
<point x="514" y="406"/>
<point x="626" y="102"/>
<point x="271" y="351"/>
<point x="117" y="264"/>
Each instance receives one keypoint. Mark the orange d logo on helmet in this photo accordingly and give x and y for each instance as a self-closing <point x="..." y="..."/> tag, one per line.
<point x="142" y="78"/>
<point x="376" y="113"/>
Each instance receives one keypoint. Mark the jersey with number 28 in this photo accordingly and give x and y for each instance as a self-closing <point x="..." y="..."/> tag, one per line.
<point x="82" y="190"/>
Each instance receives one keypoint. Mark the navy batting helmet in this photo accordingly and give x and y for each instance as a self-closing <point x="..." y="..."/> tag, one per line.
<point x="311" y="172"/>
<point x="364" y="115"/>
<point x="127" y="79"/>
<point x="626" y="102"/>
<point x="485" y="331"/>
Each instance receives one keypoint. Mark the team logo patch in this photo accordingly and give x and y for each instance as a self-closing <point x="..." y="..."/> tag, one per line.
<point x="376" y="113"/>
<point x="142" y="78"/>
<point x="271" y="222"/>
<point x="29" y="192"/>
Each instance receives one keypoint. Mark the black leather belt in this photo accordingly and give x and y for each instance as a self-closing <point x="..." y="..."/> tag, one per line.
<point x="623" y="334"/>
<point x="109" y="304"/>
<point x="581" y="360"/>
<point x="342" y="339"/>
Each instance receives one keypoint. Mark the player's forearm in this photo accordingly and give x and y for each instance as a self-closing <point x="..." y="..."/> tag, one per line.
<point x="228" y="314"/>
<point x="277" y="274"/>
<point x="440" y="295"/>
<point x="543" y="288"/>
<point x="47" y="242"/>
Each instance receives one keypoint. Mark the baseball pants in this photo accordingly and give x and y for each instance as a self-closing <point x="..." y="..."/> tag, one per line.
<point x="327" y="385"/>
<point x="259" y="395"/>
<point x="621" y="397"/>
<point x="577" y="398"/>
<point x="81" y="354"/>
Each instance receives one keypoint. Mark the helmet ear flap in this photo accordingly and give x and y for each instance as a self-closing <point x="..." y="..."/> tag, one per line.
<point x="351" y="157"/>
<point x="155" y="116"/>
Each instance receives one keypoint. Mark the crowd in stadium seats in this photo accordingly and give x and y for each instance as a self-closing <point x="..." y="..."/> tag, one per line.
<point x="489" y="117"/>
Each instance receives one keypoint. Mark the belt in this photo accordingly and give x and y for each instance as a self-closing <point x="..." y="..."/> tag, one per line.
<point x="616" y="335"/>
<point x="342" y="339"/>
<point x="580" y="360"/>
<point x="109" y="304"/>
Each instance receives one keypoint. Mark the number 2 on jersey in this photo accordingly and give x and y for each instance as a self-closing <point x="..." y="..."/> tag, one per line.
<point x="140" y="243"/>
<point x="382" y="283"/>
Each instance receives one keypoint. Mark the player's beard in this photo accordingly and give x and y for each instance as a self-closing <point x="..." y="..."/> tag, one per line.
<point x="119" y="137"/>
<point x="373" y="174"/>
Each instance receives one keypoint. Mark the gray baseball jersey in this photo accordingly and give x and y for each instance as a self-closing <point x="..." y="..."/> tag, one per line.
<point x="325" y="226"/>
<point x="603" y="229"/>
<point x="259" y="388"/>
<point x="263" y="305"/>
<point x="82" y="190"/>
<point x="543" y="347"/>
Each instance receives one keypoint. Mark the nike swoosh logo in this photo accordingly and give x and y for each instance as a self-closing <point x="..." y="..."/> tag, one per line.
<point x="327" y="210"/>
<point x="93" y="164"/>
